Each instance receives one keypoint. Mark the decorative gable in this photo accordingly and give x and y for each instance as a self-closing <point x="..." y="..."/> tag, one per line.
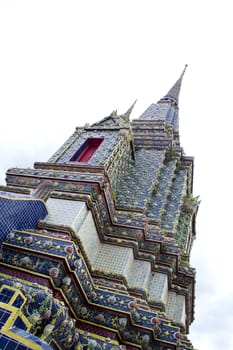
<point x="114" y="121"/>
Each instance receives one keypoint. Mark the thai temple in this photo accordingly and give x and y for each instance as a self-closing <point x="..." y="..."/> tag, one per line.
<point x="96" y="242"/>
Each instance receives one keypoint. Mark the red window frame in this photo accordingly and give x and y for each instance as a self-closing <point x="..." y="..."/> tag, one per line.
<point x="87" y="150"/>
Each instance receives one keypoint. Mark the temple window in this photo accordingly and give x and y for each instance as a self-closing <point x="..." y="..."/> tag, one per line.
<point x="87" y="150"/>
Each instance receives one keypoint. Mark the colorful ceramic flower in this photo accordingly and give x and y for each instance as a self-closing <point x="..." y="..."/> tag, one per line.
<point x="28" y="240"/>
<point x="69" y="249"/>
<point x="54" y="272"/>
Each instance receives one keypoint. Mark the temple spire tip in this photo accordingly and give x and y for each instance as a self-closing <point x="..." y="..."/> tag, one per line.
<point x="173" y="93"/>
<point x="126" y="115"/>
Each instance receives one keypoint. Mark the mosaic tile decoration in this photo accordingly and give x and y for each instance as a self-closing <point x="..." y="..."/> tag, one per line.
<point x="8" y="343"/>
<point x="109" y="300"/>
<point x="150" y="197"/>
<point x="30" y="337"/>
<point x="37" y="305"/>
<point x="114" y="259"/>
<point x="135" y="187"/>
<point x="13" y="195"/>
<point x="119" y="163"/>
<point x="89" y="238"/>
<point x="139" y="274"/>
<point x="161" y="190"/>
<point x="37" y="174"/>
<point x="155" y="111"/>
<point x="175" y="307"/>
<point x="161" y="112"/>
<point x="66" y="145"/>
<point x="43" y="313"/>
<point x="20" y="213"/>
<point x="66" y="212"/>
<point x="169" y="248"/>
<point x="14" y="325"/>
<point x="4" y="316"/>
<point x="183" y="232"/>
<point x="111" y="138"/>
<point x="158" y="287"/>
<point x="158" y="237"/>
<point x="174" y="202"/>
<point x="114" y="121"/>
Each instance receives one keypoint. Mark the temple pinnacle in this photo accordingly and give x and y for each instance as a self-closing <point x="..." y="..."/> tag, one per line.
<point x="173" y="93"/>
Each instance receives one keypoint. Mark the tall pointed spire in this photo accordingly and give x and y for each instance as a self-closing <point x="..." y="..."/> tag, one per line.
<point x="126" y="115"/>
<point x="173" y="93"/>
<point x="167" y="107"/>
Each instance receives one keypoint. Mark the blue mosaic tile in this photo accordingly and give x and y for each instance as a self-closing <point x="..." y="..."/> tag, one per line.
<point x="160" y="192"/>
<point x="19" y="213"/>
<point x="174" y="202"/>
<point x="135" y="187"/>
<point x="8" y="343"/>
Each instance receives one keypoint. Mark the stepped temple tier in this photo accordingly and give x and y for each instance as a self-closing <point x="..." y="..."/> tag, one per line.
<point x="95" y="242"/>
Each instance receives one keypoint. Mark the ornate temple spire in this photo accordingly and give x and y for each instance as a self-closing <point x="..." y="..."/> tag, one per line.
<point x="167" y="107"/>
<point x="114" y="120"/>
<point x="173" y="93"/>
<point x="127" y="114"/>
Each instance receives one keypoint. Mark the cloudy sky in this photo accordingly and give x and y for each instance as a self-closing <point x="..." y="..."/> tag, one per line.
<point x="65" y="63"/>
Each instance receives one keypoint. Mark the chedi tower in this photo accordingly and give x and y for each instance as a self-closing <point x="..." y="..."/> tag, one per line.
<point x="96" y="241"/>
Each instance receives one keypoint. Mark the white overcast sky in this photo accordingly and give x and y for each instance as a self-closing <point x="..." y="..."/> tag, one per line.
<point x="66" y="63"/>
